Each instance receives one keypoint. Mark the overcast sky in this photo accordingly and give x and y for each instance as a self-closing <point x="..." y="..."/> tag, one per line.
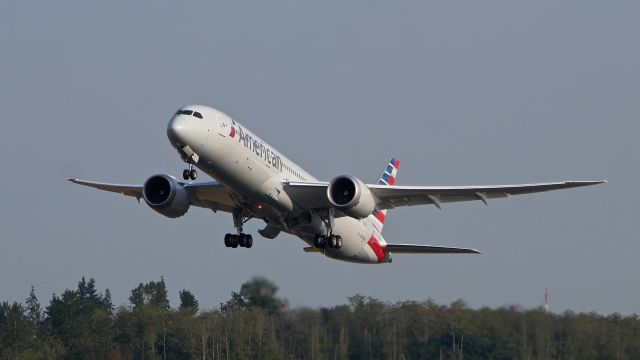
<point x="461" y="92"/>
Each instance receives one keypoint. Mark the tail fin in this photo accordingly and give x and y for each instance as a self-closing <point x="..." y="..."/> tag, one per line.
<point x="388" y="177"/>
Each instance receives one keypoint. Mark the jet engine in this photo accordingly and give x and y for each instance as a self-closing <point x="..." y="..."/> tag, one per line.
<point x="351" y="196"/>
<point x="165" y="195"/>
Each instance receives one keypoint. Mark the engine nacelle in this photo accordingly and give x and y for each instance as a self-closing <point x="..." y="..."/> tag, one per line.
<point x="165" y="195"/>
<point x="351" y="196"/>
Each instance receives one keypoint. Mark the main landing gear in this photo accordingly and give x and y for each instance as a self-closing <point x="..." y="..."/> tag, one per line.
<point x="189" y="173"/>
<point x="330" y="240"/>
<point x="241" y="239"/>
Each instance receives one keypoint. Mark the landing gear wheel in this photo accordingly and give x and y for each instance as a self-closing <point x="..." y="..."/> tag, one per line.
<point x="242" y="240"/>
<point x="338" y="241"/>
<point x="185" y="174"/>
<point x="193" y="174"/>
<point x="248" y="242"/>
<point x="317" y="241"/>
<point x="234" y="241"/>
<point x="227" y="240"/>
<point x="333" y="241"/>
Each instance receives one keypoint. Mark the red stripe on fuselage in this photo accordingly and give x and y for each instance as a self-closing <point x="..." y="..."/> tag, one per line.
<point x="377" y="249"/>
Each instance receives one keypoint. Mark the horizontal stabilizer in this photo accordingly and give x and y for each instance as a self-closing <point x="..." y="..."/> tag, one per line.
<point x="427" y="249"/>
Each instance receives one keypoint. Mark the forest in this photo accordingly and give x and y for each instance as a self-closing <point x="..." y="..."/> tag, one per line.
<point x="255" y="323"/>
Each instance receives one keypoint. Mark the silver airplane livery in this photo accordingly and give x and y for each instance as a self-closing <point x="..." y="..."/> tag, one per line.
<point x="342" y="218"/>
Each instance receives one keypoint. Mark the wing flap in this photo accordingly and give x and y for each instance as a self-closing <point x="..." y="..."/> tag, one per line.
<point x="427" y="249"/>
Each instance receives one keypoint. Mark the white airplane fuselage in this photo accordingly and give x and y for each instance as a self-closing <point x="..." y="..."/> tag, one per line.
<point x="254" y="173"/>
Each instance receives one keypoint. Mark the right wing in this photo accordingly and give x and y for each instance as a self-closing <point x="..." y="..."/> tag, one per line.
<point x="313" y="195"/>
<point x="394" y="196"/>
<point x="427" y="249"/>
<point x="209" y="194"/>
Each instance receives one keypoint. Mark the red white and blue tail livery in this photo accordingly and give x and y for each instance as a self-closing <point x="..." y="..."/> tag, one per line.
<point x="342" y="218"/>
<point x="388" y="177"/>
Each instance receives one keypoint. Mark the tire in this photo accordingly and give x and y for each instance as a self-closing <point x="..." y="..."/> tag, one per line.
<point x="338" y="242"/>
<point x="249" y="241"/>
<point x="227" y="240"/>
<point x="333" y="241"/>
<point x="193" y="174"/>
<point x="185" y="174"/>
<point x="316" y="241"/>
<point x="234" y="241"/>
<point x="242" y="240"/>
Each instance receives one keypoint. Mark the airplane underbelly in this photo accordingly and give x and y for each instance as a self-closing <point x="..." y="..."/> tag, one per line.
<point x="357" y="246"/>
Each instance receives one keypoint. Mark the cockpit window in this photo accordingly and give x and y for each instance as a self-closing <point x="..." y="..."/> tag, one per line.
<point x="189" y="112"/>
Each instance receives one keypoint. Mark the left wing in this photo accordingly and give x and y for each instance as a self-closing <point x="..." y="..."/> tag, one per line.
<point x="128" y="190"/>
<point x="313" y="195"/>
<point x="209" y="194"/>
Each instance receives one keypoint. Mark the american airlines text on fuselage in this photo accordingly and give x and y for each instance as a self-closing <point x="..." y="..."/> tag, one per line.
<point x="258" y="147"/>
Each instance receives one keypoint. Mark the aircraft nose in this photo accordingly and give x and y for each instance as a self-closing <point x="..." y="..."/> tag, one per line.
<point x="177" y="129"/>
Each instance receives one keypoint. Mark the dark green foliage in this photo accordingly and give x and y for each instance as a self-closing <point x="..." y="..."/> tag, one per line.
<point x="188" y="302"/>
<point x="256" y="324"/>
<point x="152" y="294"/>
<point x="261" y="292"/>
<point x="80" y="322"/>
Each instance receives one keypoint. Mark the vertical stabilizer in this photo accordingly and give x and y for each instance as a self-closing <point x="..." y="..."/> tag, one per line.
<point x="388" y="177"/>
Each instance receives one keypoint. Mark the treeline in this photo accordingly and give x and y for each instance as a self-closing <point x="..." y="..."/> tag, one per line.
<point x="256" y="324"/>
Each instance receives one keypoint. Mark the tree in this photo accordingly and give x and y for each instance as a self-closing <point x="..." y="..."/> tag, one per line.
<point x="33" y="311"/>
<point x="261" y="292"/>
<point x="15" y="333"/>
<point x="152" y="293"/>
<point x="188" y="302"/>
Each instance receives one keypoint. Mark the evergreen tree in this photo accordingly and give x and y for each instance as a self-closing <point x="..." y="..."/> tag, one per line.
<point x="188" y="302"/>
<point x="34" y="311"/>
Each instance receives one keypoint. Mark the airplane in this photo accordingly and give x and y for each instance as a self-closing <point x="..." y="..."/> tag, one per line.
<point x="342" y="218"/>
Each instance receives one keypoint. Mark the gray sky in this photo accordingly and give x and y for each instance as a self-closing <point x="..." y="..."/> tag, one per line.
<point x="461" y="92"/>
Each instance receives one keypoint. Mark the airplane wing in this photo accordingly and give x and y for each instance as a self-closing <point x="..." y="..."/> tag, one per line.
<point x="427" y="249"/>
<point x="394" y="196"/>
<point x="128" y="190"/>
<point x="313" y="194"/>
<point x="209" y="194"/>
